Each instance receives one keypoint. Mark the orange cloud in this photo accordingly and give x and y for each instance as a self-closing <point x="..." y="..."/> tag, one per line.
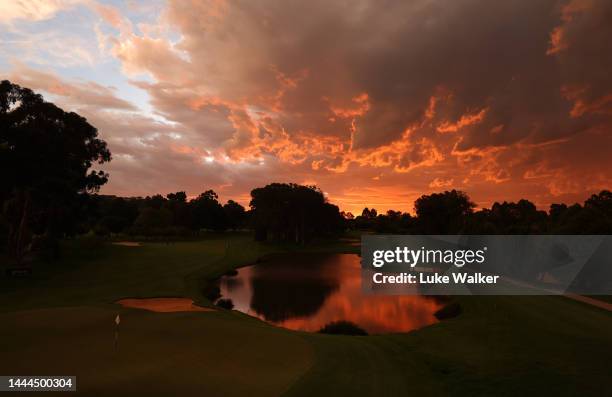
<point x="377" y="110"/>
<point x="464" y="121"/>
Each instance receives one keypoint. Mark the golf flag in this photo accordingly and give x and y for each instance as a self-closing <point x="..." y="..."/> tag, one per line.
<point x="117" y="321"/>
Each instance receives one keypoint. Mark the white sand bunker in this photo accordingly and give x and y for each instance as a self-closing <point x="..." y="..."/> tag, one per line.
<point x="128" y="243"/>
<point x="163" y="305"/>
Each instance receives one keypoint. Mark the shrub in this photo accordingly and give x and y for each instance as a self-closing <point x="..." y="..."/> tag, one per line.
<point x="225" y="304"/>
<point x="449" y="311"/>
<point x="342" y="328"/>
<point x="212" y="292"/>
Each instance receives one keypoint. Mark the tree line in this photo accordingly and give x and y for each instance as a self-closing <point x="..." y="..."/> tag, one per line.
<point x="453" y="212"/>
<point x="157" y="215"/>
<point x="278" y="212"/>
<point x="49" y="191"/>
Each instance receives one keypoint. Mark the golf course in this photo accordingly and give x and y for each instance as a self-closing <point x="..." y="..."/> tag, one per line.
<point x="61" y="321"/>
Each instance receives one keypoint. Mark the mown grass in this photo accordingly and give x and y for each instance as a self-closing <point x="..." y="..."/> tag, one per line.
<point x="61" y="322"/>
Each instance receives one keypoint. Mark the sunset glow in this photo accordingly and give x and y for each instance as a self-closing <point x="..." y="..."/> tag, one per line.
<point x="375" y="105"/>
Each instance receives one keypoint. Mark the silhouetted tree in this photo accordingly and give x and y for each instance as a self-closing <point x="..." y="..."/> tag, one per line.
<point x="569" y="220"/>
<point x="208" y="212"/>
<point x="518" y="218"/>
<point x="45" y="160"/>
<point x="369" y="213"/>
<point x="393" y="222"/>
<point x="182" y="214"/>
<point x="443" y="213"/>
<point x="153" y="222"/>
<point x="178" y="197"/>
<point x="156" y="201"/>
<point x="114" y="214"/>
<point x="234" y="215"/>
<point x="595" y="217"/>
<point x="556" y="211"/>
<point x="601" y="202"/>
<point x="347" y="215"/>
<point x="291" y="212"/>
<point x="367" y="219"/>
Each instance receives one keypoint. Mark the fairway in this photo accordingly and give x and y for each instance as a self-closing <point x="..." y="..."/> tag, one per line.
<point x="61" y="322"/>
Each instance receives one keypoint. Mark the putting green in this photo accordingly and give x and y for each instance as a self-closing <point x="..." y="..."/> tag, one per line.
<point x="165" y="354"/>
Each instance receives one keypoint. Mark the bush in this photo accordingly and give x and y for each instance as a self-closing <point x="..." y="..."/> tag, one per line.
<point x="212" y="292"/>
<point x="342" y="328"/>
<point x="225" y="304"/>
<point x="449" y="311"/>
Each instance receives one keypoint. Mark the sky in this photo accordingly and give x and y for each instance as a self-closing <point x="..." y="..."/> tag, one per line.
<point x="377" y="102"/>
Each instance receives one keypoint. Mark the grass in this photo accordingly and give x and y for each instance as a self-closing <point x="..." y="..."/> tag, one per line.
<point x="499" y="346"/>
<point x="61" y="322"/>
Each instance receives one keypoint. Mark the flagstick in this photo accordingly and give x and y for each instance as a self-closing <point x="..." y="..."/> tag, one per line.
<point x="117" y="321"/>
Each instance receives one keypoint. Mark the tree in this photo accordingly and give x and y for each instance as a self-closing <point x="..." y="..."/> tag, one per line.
<point x="291" y="212"/>
<point x="369" y="213"/>
<point x="208" y="212"/>
<point x="156" y="201"/>
<point x="178" y="197"/>
<point x="113" y="214"/>
<point x="392" y="222"/>
<point x="556" y="211"/>
<point x="601" y="201"/>
<point x="595" y="217"/>
<point x="443" y="213"/>
<point x="182" y="217"/>
<point x="347" y="215"/>
<point x="153" y="222"/>
<point x="367" y="219"/>
<point x="45" y="159"/>
<point x="234" y="214"/>
<point x="518" y="218"/>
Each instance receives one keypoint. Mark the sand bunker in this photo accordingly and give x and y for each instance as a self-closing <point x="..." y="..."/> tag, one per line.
<point x="128" y="243"/>
<point x="163" y="305"/>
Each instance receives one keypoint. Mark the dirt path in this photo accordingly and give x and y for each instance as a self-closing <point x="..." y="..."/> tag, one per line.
<point x="590" y="301"/>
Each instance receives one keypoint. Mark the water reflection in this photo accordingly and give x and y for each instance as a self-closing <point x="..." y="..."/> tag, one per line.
<point x="307" y="292"/>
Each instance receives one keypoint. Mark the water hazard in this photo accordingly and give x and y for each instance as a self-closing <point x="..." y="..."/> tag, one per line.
<point x="306" y="292"/>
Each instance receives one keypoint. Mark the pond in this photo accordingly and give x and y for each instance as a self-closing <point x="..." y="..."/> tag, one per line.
<point x="306" y="292"/>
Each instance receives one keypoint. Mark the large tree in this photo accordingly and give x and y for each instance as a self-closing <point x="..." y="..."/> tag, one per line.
<point x="208" y="212"/>
<point x="443" y="213"/>
<point x="46" y="155"/>
<point x="234" y="214"/>
<point x="291" y="212"/>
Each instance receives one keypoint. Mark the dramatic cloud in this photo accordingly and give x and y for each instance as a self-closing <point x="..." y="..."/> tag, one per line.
<point x="77" y="95"/>
<point x="377" y="103"/>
